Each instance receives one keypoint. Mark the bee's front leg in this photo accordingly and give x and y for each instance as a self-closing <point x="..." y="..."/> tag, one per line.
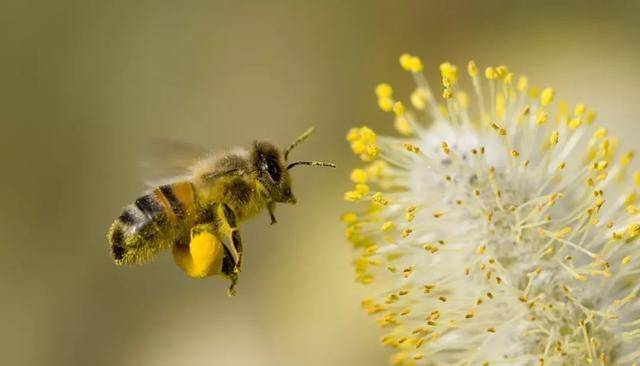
<point x="271" y="206"/>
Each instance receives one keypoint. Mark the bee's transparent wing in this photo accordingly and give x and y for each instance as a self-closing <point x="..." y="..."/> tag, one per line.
<point x="167" y="161"/>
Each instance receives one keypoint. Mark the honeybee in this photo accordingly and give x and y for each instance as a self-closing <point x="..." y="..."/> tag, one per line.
<point x="197" y="215"/>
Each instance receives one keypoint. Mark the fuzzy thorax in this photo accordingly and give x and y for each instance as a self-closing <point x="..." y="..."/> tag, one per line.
<point x="497" y="229"/>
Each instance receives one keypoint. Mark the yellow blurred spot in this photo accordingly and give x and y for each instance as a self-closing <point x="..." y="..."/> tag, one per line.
<point x="523" y="82"/>
<point x="384" y="90"/>
<point x="358" y="176"/>
<point x="449" y="71"/>
<point x="387" y="227"/>
<point x="546" y="97"/>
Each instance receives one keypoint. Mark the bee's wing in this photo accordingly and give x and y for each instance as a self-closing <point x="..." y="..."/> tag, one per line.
<point x="168" y="161"/>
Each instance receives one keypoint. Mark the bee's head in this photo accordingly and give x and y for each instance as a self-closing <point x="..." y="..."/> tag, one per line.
<point x="273" y="171"/>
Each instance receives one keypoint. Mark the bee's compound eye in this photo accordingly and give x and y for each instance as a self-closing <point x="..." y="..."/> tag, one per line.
<point x="273" y="169"/>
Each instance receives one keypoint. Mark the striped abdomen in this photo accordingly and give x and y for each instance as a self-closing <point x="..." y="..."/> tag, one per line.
<point x="152" y="223"/>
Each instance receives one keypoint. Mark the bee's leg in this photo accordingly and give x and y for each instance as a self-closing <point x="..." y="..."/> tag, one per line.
<point x="230" y="217"/>
<point x="271" y="206"/>
<point x="229" y="271"/>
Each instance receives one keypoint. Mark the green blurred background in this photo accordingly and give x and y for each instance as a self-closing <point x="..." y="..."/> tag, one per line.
<point x="85" y="85"/>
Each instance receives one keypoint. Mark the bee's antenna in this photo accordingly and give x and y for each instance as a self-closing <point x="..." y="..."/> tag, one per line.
<point x="316" y="163"/>
<point x="300" y="138"/>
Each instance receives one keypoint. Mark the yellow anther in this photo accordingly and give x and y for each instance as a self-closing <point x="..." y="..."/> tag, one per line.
<point x="626" y="158"/>
<point x="406" y="233"/>
<point x="398" y="108"/>
<point x="438" y="214"/>
<point x="353" y="196"/>
<point x="562" y="165"/>
<point x="385" y="104"/>
<point x="523" y="82"/>
<point x="501" y="130"/>
<point x="472" y="69"/>
<point x="419" y="99"/>
<point x="579" y="109"/>
<point x="563" y="232"/>
<point x="349" y="218"/>
<point x="410" y="63"/>
<point x="626" y="260"/>
<point x="362" y="189"/>
<point x="508" y="79"/>
<point x="387" y="227"/>
<point x="353" y="134"/>
<point x="633" y="230"/>
<point x="501" y="71"/>
<point x="371" y="249"/>
<point x="449" y="71"/>
<point x="491" y="330"/>
<point x="601" y="133"/>
<point x="554" y="138"/>
<point x="542" y="118"/>
<point x="411" y="148"/>
<point x="591" y="116"/>
<point x="490" y="73"/>
<point x="515" y="153"/>
<point x="546" y="97"/>
<point x="445" y="147"/>
<point x="447" y="93"/>
<point x="358" y="176"/>
<point x="384" y="90"/>
<point x="481" y="249"/>
<point x="601" y="165"/>
<point x="575" y="123"/>
<point x="379" y="199"/>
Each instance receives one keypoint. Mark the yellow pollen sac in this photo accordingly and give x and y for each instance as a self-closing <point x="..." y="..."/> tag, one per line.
<point x="501" y="71"/>
<point x="377" y="198"/>
<point x="515" y="153"/>
<point x="410" y="63"/>
<point x="542" y="118"/>
<point x="546" y="97"/>
<point x="523" y="82"/>
<point x="601" y="133"/>
<point x="384" y="90"/>
<point x="626" y="260"/>
<point x="563" y="232"/>
<point x="449" y="72"/>
<point x="398" y="108"/>
<point x="626" y="158"/>
<point x="579" y="109"/>
<point x="358" y="176"/>
<point x="353" y="196"/>
<point x="575" y="123"/>
<point x="490" y="73"/>
<point x="385" y="104"/>
<point x="362" y="189"/>
<point x="438" y="215"/>
<point x="445" y="147"/>
<point x="349" y="218"/>
<point x="411" y="148"/>
<point x="554" y="138"/>
<point x="472" y="68"/>
<point x="591" y="116"/>
<point x="481" y="249"/>
<point x="633" y="230"/>
<point x="387" y="227"/>
<point x="447" y="93"/>
<point x="406" y="233"/>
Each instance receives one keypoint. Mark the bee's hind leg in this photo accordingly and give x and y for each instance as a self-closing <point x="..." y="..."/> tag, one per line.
<point x="234" y="233"/>
<point x="229" y="271"/>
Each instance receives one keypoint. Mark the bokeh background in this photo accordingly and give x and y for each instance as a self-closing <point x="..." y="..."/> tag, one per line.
<point x="85" y="85"/>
